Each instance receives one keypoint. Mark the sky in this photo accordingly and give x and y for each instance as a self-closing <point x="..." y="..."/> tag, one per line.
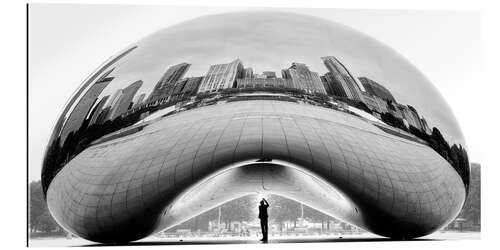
<point x="68" y="42"/>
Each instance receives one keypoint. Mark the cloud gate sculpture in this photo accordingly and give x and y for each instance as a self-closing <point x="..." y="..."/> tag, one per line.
<point x="223" y="106"/>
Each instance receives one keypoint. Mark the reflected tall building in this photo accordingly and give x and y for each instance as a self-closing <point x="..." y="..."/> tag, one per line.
<point x="125" y="100"/>
<point x="341" y="79"/>
<point x="264" y="82"/>
<point x="89" y="81"/>
<point x="259" y="76"/>
<point x="222" y="76"/>
<point x="192" y="85"/>
<point x="303" y="78"/>
<point x="376" y="89"/>
<point x="82" y="109"/>
<point x="102" y="117"/>
<point x="115" y="97"/>
<point x="395" y="109"/>
<point x="408" y="114"/>
<point x="269" y="74"/>
<point x="98" y="110"/>
<point x="187" y="86"/>
<point x="138" y="100"/>
<point x="179" y="86"/>
<point x="248" y="73"/>
<point x="333" y="86"/>
<point x="414" y="118"/>
<point x="371" y="102"/>
<point x="382" y="104"/>
<point x="425" y="126"/>
<point x="166" y="84"/>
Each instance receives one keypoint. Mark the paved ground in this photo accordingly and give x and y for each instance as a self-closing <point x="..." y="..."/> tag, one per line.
<point x="152" y="241"/>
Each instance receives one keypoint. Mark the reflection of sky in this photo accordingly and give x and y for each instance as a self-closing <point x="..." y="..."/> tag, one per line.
<point x="269" y="41"/>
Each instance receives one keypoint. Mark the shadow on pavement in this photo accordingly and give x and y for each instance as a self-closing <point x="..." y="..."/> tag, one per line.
<point x="215" y="242"/>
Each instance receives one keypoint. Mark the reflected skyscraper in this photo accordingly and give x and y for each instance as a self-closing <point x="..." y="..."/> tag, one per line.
<point x="179" y="86"/>
<point x="334" y="85"/>
<point x="98" y="109"/>
<point x="264" y="82"/>
<point x="167" y="82"/>
<point x="138" y="100"/>
<point x="349" y="85"/>
<point x="409" y="114"/>
<point x="302" y="78"/>
<point x="103" y="115"/>
<point x="376" y="89"/>
<point x="222" y="76"/>
<point x="259" y="76"/>
<point x="81" y="110"/>
<point x="112" y="102"/>
<point x="269" y="74"/>
<point x="192" y="85"/>
<point x="414" y="118"/>
<point x="371" y="102"/>
<point x="381" y="104"/>
<point x="248" y="73"/>
<point x="89" y="81"/>
<point x="125" y="100"/>
<point x="425" y="126"/>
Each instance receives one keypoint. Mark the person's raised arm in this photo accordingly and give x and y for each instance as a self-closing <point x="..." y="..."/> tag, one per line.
<point x="267" y="204"/>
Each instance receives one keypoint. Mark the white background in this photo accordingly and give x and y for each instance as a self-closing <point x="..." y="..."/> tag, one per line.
<point x="477" y="115"/>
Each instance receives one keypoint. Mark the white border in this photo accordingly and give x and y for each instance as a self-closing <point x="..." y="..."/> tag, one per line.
<point x="13" y="63"/>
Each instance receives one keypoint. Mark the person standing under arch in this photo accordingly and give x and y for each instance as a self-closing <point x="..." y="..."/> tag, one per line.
<point x="263" y="218"/>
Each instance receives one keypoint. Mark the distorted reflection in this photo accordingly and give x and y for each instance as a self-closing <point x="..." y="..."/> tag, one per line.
<point x="120" y="99"/>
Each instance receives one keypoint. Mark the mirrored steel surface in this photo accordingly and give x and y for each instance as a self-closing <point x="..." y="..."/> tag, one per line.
<point x="183" y="104"/>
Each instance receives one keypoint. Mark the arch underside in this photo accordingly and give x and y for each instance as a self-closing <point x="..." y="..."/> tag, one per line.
<point x="254" y="177"/>
<point x="181" y="165"/>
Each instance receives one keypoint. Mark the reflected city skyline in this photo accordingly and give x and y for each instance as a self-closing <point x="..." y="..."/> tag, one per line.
<point x="361" y="54"/>
<point x="337" y="84"/>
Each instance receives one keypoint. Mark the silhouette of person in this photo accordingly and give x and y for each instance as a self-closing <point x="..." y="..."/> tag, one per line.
<point x="263" y="218"/>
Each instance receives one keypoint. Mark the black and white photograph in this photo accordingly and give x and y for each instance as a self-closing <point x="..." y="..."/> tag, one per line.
<point x="178" y="125"/>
